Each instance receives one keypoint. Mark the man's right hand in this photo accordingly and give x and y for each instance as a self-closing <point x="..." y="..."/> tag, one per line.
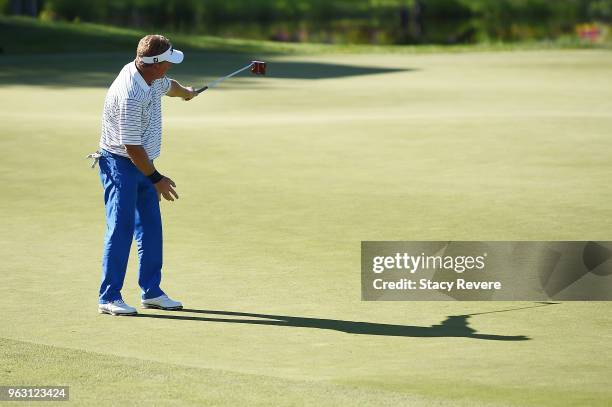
<point x="165" y="188"/>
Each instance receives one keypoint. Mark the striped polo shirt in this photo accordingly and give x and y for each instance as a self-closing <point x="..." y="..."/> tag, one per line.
<point x="132" y="113"/>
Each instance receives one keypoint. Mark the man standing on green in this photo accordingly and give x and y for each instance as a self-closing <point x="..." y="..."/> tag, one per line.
<point x="133" y="187"/>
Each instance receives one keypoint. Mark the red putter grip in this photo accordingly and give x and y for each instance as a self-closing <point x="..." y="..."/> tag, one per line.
<point x="258" y="68"/>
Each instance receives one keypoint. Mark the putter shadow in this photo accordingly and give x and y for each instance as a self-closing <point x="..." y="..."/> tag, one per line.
<point x="100" y="69"/>
<point x="453" y="326"/>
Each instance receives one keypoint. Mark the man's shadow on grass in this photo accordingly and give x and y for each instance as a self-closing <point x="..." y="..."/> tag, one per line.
<point x="452" y="326"/>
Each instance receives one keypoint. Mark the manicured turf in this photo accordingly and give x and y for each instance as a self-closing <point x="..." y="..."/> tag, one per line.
<point x="280" y="178"/>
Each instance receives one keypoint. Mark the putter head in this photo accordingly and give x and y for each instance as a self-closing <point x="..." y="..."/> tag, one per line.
<point x="258" y="67"/>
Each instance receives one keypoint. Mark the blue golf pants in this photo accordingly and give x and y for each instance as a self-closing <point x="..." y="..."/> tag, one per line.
<point x="132" y="211"/>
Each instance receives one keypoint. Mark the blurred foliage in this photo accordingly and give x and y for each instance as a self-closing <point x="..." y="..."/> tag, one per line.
<point x="348" y="21"/>
<point x="189" y="12"/>
<point x="4" y="7"/>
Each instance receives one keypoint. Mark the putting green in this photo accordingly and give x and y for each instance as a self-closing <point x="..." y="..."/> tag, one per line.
<point x="280" y="178"/>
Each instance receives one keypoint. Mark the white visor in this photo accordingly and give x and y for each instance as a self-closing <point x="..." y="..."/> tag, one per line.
<point x="171" y="55"/>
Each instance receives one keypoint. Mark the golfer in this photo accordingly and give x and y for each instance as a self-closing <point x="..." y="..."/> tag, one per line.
<point x="133" y="187"/>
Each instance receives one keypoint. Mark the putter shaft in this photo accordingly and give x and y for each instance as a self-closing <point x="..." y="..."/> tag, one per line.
<point x="218" y="81"/>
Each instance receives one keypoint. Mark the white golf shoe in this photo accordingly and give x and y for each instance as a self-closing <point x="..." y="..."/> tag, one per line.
<point x="162" y="302"/>
<point x="117" y="307"/>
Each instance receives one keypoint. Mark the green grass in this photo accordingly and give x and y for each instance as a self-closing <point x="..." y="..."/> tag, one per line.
<point x="145" y="382"/>
<point x="26" y="35"/>
<point x="280" y="179"/>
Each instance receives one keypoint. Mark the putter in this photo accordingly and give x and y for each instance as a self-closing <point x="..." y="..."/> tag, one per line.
<point x="257" y="68"/>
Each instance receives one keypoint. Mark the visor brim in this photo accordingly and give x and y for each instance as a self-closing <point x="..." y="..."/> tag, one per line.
<point x="176" y="57"/>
